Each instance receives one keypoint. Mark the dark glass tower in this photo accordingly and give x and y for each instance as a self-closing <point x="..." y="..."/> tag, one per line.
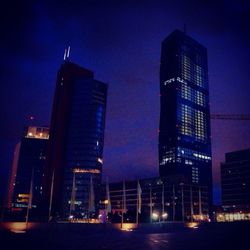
<point x="75" y="154"/>
<point x="184" y="134"/>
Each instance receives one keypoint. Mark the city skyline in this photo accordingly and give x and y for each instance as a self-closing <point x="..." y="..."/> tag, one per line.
<point x="127" y="57"/>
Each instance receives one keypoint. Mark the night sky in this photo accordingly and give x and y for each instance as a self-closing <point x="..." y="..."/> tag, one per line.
<point x="120" y="41"/>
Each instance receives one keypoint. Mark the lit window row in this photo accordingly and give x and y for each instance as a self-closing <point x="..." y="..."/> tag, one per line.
<point x="192" y="72"/>
<point x="75" y="202"/>
<point x="193" y="123"/>
<point x="188" y="162"/>
<point x="195" y="175"/>
<point x="193" y="95"/>
<point x="195" y="180"/>
<point x="167" y="159"/>
<point x="192" y="154"/>
<point x="169" y="156"/>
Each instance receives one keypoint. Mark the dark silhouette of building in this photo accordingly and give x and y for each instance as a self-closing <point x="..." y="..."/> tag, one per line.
<point x="27" y="169"/>
<point x="162" y="199"/>
<point x="235" y="181"/>
<point x="184" y="133"/>
<point x="75" y="153"/>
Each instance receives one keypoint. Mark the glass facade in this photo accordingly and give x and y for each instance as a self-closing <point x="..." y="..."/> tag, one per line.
<point x="84" y="144"/>
<point x="159" y="195"/>
<point x="184" y="134"/>
<point x="75" y="154"/>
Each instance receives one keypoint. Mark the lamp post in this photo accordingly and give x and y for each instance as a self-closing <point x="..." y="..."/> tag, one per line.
<point x="182" y="202"/>
<point x="150" y="204"/>
<point x="191" y="204"/>
<point x="173" y="203"/>
<point x="164" y="216"/>
<point x="156" y="216"/>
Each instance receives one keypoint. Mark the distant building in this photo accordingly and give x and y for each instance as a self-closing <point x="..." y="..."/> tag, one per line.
<point x="161" y="199"/>
<point x="75" y="152"/>
<point x="235" y="181"/>
<point x="27" y="167"/>
<point x="184" y="132"/>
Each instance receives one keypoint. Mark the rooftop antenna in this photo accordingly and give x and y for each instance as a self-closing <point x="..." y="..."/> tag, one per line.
<point x="66" y="53"/>
<point x="64" y="56"/>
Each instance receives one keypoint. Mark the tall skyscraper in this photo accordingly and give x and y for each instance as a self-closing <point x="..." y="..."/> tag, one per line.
<point x="75" y="153"/>
<point x="184" y="133"/>
<point x="27" y="167"/>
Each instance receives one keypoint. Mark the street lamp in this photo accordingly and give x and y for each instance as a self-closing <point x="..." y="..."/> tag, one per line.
<point x="164" y="216"/>
<point x="155" y="216"/>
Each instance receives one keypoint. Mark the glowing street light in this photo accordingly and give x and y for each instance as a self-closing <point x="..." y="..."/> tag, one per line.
<point x="155" y="216"/>
<point x="164" y="215"/>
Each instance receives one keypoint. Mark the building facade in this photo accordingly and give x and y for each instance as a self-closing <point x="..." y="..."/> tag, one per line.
<point x="162" y="199"/>
<point x="235" y="181"/>
<point x="184" y="132"/>
<point x="75" y="153"/>
<point x="27" y="169"/>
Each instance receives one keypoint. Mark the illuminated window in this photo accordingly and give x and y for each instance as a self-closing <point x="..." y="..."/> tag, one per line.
<point x="188" y="162"/>
<point x="192" y="155"/>
<point x="193" y="123"/>
<point x="200" y="125"/>
<point x="192" y="72"/>
<point x="195" y="175"/>
<point x="169" y="157"/>
<point x="193" y="95"/>
<point x="93" y="171"/>
<point x="186" y="115"/>
<point x="100" y="160"/>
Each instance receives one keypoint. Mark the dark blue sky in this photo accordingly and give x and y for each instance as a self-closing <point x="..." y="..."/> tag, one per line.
<point x="120" y="41"/>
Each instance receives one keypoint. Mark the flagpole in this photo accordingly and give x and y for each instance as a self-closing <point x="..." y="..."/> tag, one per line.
<point x="173" y="203"/>
<point x="138" y="207"/>
<point x="27" y="220"/>
<point x="163" y="199"/>
<point x="182" y="202"/>
<point x="29" y="205"/>
<point x="108" y="203"/>
<point x="91" y="198"/>
<point x="125" y="198"/>
<point x="191" y="203"/>
<point x="200" y="208"/>
<point x="151" y="204"/>
<point x="137" y="204"/>
<point x="72" y="200"/>
<point x="123" y="203"/>
<point x="51" y="193"/>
